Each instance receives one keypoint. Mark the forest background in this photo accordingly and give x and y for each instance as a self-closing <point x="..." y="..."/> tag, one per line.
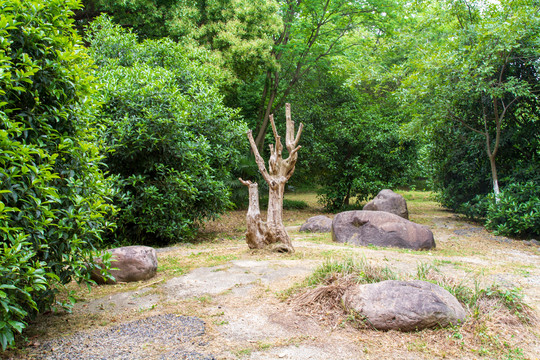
<point x="124" y="122"/>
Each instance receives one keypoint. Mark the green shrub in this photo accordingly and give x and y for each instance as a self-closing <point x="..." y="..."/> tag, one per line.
<point x="476" y="208"/>
<point x="53" y="196"/>
<point x="171" y="140"/>
<point x="518" y="211"/>
<point x="352" y="147"/>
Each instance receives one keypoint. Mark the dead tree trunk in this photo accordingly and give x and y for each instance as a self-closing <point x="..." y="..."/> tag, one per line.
<point x="272" y="233"/>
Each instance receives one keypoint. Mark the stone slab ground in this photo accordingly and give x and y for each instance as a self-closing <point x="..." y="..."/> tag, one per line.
<point x="235" y="309"/>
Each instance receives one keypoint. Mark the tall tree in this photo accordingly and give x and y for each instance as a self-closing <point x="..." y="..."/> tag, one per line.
<point x="312" y="30"/>
<point x="471" y="71"/>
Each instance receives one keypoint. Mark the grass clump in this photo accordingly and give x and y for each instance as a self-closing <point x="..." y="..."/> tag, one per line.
<point x="476" y="298"/>
<point x="320" y="294"/>
<point x="348" y="271"/>
<point x="359" y="269"/>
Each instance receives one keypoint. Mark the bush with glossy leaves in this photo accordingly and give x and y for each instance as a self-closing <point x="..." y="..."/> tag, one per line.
<point x="171" y="141"/>
<point x="54" y="198"/>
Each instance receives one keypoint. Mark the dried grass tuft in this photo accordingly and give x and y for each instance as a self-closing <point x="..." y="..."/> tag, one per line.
<point x="498" y="322"/>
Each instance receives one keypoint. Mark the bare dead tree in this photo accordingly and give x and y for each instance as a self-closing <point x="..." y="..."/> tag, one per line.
<point x="272" y="233"/>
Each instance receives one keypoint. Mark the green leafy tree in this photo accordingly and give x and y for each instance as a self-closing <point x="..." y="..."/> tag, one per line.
<point x="239" y="32"/>
<point x="53" y="196"/>
<point x="312" y="30"/>
<point x="478" y="68"/>
<point x="280" y="40"/>
<point x="353" y="144"/>
<point x="172" y="142"/>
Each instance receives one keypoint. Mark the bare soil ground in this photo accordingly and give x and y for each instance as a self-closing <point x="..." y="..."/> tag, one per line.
<point x="241" y="297"/>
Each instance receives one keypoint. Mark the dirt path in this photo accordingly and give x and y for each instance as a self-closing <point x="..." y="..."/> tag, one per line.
<point x="235" y="310"/>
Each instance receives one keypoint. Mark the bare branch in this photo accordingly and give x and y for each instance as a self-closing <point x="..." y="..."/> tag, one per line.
<point x="289" y="135"/>
<point x="279" y="146"/>
<point x="453" y="116"/>
<point x="258" y="158"/>
<point x="294" y="151"/>
<point x="297" y="139"/>
<point x="273" y="126"/>
<point x="245" y="182"/>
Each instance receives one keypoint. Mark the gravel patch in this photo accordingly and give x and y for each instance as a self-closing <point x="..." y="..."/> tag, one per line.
<point x="166" y="336"/>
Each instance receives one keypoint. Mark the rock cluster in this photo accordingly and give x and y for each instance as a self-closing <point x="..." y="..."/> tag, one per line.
<point x="389" y="201"/>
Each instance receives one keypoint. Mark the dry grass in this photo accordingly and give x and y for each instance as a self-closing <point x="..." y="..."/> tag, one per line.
<point x="497" y="325"/>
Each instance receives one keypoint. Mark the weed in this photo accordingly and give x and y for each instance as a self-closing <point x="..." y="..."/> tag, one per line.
<point x="424" y="271"/>
<point x="514" y="353"/>
<point x="419" y="345"/>
<point x="512" y="299"/>
<point x="438" y="262"/>
<point x="263" y="345"/>
<point x="243" y="352"/>
<point x="205" y="299"/>
<point x="148" y="308"/>
<point x="220" y="322"/>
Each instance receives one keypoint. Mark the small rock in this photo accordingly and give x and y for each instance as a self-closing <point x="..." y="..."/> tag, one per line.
<point x="319" y="223"/>
<point x="532" y="242"/>
<point x="389" y="201"/>
<point x="133" y="263"/>
<point x="404" y="305"/>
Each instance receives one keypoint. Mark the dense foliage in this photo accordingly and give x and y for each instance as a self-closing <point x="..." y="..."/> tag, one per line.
<point x="475" y="85"/>
<point x="53" y="197"/>
<point x="517" y="213"/>
<point x="353" y="148"/>
<point x="171" y="141"/>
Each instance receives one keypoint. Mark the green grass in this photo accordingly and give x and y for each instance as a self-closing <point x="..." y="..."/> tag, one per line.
<point x="289" y="204"/>
<point x="360" y="268"/>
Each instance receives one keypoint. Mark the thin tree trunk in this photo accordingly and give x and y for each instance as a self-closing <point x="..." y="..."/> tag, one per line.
<point x="494" y="177"/>
<point x="255" y="226"/>
<point x="492" y="153"/>
<point x="259" y="140"/>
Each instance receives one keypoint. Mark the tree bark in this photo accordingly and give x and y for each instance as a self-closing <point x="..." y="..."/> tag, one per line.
<point x="272" y="233"/>
<point x="256" y="228"/>
<point x="495" y="178"/>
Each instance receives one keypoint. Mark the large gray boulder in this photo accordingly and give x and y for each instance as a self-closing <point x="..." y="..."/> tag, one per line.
<point x="380" y="228"/>
<point x="319" y="223"/>
<point x="389" y="201"/>
<point x="133" y="263"/>
<point x="404" y="305"/>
